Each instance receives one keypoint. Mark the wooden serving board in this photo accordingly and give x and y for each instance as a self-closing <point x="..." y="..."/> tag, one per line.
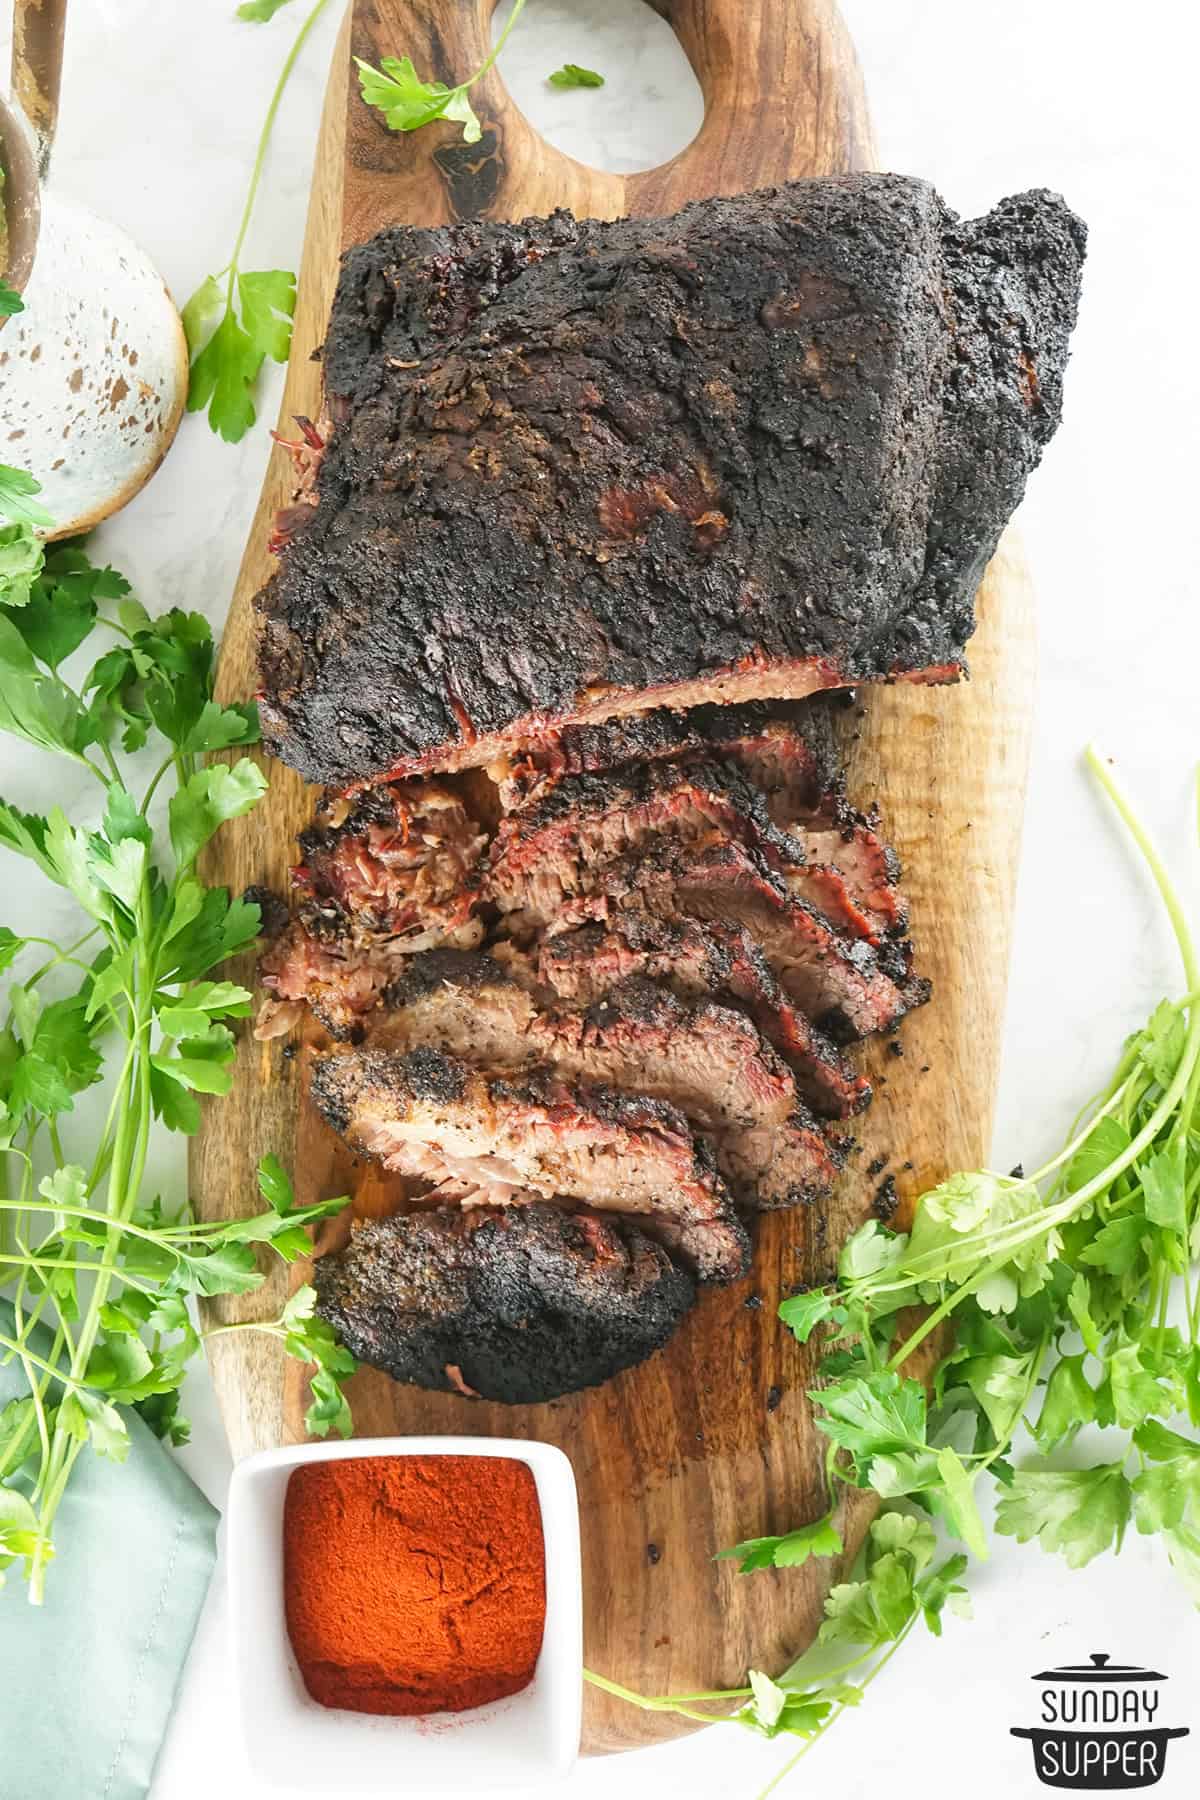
<point x="713" y="1439"/>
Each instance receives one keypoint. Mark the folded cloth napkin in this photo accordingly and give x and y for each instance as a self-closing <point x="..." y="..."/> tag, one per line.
<point x="87" y="1680"/>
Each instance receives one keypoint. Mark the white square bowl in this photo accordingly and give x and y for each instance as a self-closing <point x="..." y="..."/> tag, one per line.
<point x="295" y="1745"/>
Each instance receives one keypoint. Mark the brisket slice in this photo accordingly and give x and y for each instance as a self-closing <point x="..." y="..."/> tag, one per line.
<point x="785" y="751"/>
<point x="401" y="860"/>
<point x="383" y="877"/>
<point x="483" y="1138"/>
<point x="705" y="1059"/>
<point x="716" y="960"/>
<point x="559" y="844"/>
<point x="577" y="469"/>
<point x="841" y="984"/>
<point x="515" y="1303"/>
<point x="781" y="743"/>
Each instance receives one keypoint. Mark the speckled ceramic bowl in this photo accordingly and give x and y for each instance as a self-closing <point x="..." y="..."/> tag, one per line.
<point x="95" y="373"/>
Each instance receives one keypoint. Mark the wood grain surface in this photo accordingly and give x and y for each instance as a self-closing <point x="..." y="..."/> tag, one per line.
<point x="712" y="1440"/>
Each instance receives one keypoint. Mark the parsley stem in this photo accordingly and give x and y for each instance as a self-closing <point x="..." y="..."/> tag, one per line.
<point x="837" y="1712"/>
<point x="163" y="768"/>
<point x="39" y="1362"/>
<point x="274" y="1328"/>
<point x="665" y="1703"/>
<point x="487" y="62"/>
<point x="1141" y="837"/>
<point x="86" y="1212"/>
<point x="289" y="64"/>
<point x="32" y="1261"/>
<point x="114" y="625"/>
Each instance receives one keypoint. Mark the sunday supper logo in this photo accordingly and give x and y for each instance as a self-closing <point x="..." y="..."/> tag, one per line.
<point x="1100" y="1726"/>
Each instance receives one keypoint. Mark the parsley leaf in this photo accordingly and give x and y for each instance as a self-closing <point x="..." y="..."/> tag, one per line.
<point x="212" y="796"/>
<point x="802" y="1313"/>
<point x="190" y="1013"/>
<point x="26" y="834"/>
<point x="61" y="606"/>
<point x="96" y="1421"/>
<point x="312" y="1340"/>
<point x="1077" y="1512"/>
<point x="875" y="1610"/>
<point x="59" y="1058"/>
<point x="203" y="1063"/>
<point x="791" y="1550"/>
<point x="33" y="705"/>
<point x="260" y="11"/>
<point x="254" y="324"/>
<point x="11" y="302"/>
<point x="408" y="103"/>
<point x="1160" y="1045"/>
<point x="1164" y="1177"/>
<point x="572" y="76"/>
<point x="1068" y="1404"/>
<point x="873" y="1416"/>
<point x="205" y="928"/>
<point x="21" y="560"/>
<point x="16" y="497"/>
<point x="1136" y="1390"/>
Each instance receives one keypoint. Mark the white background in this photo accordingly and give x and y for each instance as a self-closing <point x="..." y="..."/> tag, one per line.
<point x="162" y="102"/>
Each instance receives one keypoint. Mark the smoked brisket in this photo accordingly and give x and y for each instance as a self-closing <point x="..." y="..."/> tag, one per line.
<point x="717" y="960"/>
<point x="482" y="1138"/>
<point x="561" y="841"/>
<point x="515" y="1303"/>
<point x="705" y="1059"/>
<point x="577" y="469"/>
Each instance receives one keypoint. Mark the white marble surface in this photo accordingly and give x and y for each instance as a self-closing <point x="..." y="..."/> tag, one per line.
<point x="162" y="101"/>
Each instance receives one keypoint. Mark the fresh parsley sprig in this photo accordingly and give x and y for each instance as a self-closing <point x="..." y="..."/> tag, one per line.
<point x="897" y="1585"/>
<point x="236" y="319"/>
<point x="407" y="103"/>
<point x="97" y="1273"/>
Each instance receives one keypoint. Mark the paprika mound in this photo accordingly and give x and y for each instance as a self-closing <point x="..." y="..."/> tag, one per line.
<point x="414" y="1584"/>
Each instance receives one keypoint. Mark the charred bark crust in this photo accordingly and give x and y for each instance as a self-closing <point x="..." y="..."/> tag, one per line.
<point x="758" y="448"/>
<point x="518" y="1304"/>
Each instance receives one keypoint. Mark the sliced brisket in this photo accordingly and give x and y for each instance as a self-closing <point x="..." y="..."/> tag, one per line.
<point x="789" y="784"/>
<point x="783" y="743"/>
<point x="705" y="1059"/>
<point x="487" y="1138"/>
<point x="716" y="960"/>
<point x="516" y="1303"/>
<point x="560" y="844"/>
<point x="401" y="860"/>
<point x="579" y="469"/>
<point x="383" y="877"/>
<point x="842" y="984"/>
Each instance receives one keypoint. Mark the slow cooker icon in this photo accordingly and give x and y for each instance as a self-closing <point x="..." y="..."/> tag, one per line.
<point x="1100" y="1726"/>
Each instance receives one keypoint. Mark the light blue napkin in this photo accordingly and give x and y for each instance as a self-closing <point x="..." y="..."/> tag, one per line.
<point x="87" y="1681"/>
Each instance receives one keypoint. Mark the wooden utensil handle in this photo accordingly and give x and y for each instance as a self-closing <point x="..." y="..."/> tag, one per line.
<point x="39" y="31"/>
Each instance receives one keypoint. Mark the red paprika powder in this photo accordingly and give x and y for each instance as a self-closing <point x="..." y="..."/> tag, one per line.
<point x="414" y="1584"/>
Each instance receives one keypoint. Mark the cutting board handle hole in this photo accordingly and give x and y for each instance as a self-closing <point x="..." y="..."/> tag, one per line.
<point x="655" y="116"/>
